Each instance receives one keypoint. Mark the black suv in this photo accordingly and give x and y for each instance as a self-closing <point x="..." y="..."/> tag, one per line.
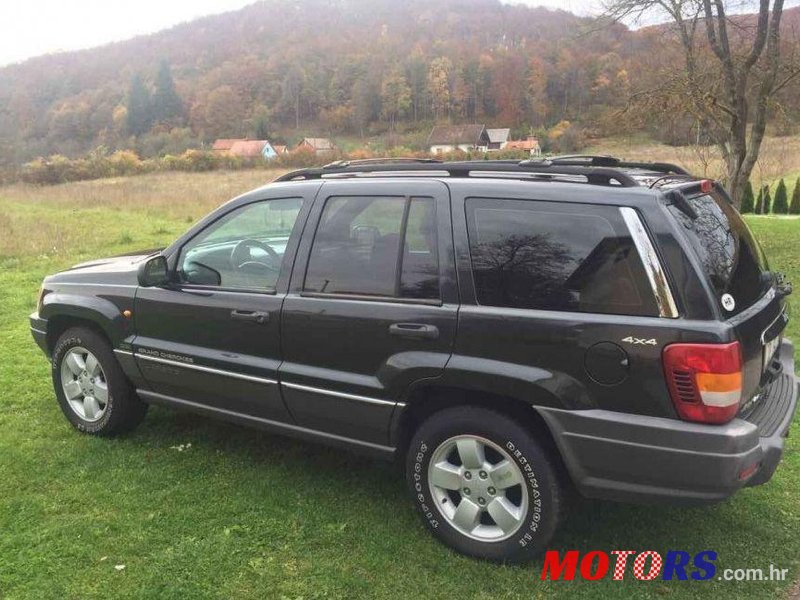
<point x="508" y="329"/>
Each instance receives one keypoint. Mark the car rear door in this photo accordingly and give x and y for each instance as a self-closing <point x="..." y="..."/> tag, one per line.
<point x="216" y="344"/>
<point x="372" y="306"/>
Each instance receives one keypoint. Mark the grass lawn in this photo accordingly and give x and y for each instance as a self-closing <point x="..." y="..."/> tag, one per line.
<point x="193" y="508"/>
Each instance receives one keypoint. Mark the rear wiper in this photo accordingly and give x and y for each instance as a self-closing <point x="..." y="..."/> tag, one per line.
<point x="682" y="204"/>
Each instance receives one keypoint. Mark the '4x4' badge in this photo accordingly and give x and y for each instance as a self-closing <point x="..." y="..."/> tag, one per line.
<point x="640" y="341"/>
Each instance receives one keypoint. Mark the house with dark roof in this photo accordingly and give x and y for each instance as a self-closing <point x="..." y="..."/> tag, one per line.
<point x="498" y="138"/>
<point x="467" y="138"/>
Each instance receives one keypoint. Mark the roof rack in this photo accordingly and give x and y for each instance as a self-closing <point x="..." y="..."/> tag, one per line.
<point x="383" y="161"/>
<point x="591" y="160"/>
<point x="596" y="170"/>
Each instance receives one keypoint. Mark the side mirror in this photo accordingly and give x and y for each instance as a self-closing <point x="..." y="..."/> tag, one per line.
<point x="153" y="272"/>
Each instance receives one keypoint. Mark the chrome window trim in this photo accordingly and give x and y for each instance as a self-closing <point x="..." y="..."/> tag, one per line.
<point x="652" y="265"/>
<point x="210" y="370"/>
<point x="367" y="399"/>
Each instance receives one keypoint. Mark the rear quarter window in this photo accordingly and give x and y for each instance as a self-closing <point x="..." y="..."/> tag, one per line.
<point x="556" y="256"/>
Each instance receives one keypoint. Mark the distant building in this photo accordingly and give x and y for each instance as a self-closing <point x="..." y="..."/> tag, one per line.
<point x="280" y="149"/>
<point x="245" y="148"/>
<point x="529" y="145"/>
<point x="467" y="138"/>
<point x="318" y="145"/>
<point x="498" y="138"/>
<point x="223" y="145"/>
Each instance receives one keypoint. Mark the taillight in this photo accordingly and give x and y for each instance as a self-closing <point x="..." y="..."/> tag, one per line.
<point x="705" y="380"/>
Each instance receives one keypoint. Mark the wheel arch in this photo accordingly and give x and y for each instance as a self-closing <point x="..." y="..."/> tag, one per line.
<point x="64" y="311"/>
<point x="426" y="399"/>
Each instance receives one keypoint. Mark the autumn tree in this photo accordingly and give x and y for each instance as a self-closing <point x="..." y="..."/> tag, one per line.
<point x="439" y="86"/>
<point x="292" y="90"/>
<point x="395" y="97"/>
<point x="728" y="78"/>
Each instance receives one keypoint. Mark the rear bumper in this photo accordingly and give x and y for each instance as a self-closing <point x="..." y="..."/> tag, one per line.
<point x="627" y="457"/>
<point x="39" y="331"/>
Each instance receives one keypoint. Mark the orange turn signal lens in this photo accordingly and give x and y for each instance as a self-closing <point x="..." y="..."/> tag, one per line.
<point x="719" y="382"/>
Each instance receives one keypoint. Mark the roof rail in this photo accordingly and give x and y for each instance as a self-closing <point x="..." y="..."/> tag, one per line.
<point x="596" y="170"/>
<point x="383" y="161"/>
<point x="591" y="160"/>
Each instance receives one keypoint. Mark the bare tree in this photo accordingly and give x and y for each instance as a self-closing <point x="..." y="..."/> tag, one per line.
<point x="730" y="75"/>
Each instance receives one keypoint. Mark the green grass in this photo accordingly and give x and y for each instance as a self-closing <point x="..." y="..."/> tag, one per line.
<point x="242" y="514"/>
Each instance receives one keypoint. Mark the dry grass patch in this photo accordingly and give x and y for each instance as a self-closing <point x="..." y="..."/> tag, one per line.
<point x="186" y="196"/>
<point x="779" y="156"/>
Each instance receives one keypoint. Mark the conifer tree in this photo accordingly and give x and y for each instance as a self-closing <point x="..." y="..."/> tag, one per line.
<point x="794" y="207"/>
<point x="747" y="199"/>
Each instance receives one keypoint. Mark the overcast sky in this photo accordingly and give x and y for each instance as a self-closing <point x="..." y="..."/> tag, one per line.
<point x="33" y="27"/>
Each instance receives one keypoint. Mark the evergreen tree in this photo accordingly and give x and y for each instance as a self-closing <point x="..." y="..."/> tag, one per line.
<point x="747" y="199"/>
<point x="759" y="202"/>
<point x="167" y="106"/>
<point x="139" y="116"/>
<point x="767" y="201"/>
<point x="781" y="204"/>
<point x="794" y="207"/>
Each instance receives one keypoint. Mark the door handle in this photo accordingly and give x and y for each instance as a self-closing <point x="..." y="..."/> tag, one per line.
<point x="249" y="315"/>
<point x="415" y="331"/>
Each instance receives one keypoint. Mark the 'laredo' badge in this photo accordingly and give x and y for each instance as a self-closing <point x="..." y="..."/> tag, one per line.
<point x="728" y="303"/>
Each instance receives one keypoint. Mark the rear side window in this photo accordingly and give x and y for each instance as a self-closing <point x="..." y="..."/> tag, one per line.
<point x="729" y="253"/>
<point x="555" y="256"/>
<point x="376" y="246"/>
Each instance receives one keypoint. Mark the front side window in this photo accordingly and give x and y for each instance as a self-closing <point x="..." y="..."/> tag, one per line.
<point x="242" y="250"/>
<point x="556" y="256"/>
<point x="375" y="246"/>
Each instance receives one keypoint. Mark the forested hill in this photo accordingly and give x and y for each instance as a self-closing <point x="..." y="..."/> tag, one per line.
<point x="323" y="67"/>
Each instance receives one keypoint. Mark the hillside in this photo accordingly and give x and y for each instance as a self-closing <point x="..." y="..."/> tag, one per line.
<point x="324" y="67"/>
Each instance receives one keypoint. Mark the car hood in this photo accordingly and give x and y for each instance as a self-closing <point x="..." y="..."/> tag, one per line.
<point x="116" y="270"/>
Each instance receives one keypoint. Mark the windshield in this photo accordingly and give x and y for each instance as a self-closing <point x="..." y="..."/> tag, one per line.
<point x="732" y="258"/>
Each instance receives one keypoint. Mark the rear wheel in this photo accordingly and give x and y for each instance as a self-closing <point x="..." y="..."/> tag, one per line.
<point x="91" y="388"/>
<point x="483" y="484"/>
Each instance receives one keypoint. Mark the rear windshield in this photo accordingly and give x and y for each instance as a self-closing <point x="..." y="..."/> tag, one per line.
<point x="732" y="258"/>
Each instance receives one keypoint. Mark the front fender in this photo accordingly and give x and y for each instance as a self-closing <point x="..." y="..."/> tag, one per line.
<point x="104" y="313"/>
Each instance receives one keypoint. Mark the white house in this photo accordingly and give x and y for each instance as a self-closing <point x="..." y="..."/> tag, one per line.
<point x="467" y="138"/>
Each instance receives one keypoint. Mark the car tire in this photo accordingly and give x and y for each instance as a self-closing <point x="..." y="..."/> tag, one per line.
<point x="91" y="388"/>
<point x="508" y="479"/>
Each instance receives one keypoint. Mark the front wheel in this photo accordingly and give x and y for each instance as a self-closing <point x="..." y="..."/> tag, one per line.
<point x="90" y="386"/>
<point x="483" y="484"/>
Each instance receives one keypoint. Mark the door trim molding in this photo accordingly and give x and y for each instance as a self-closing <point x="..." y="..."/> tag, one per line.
<point x="175" y="363"/>
<point x="267" y="424"/>
<point x="367" y="399"/>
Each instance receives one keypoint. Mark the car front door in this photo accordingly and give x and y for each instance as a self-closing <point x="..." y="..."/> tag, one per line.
<point x="372" y="305"/>
<point x="211" y="339"/>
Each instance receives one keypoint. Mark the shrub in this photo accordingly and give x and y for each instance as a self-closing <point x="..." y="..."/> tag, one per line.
<point x="747" y="199"/>
<point x="767" y="201"/>
<point x="759" y="202"/>
<point x="794" y="207"/>
<point x="781" y="204"/>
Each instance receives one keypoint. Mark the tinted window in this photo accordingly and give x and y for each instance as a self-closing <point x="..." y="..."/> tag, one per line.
<point x="731" y="257"/>
<point x="244" y="249"/>
<point x="357" y="248"/>
<point x="556" y="256"/>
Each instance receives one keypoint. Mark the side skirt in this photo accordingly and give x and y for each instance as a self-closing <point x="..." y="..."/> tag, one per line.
<point x="375" y="450"/>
